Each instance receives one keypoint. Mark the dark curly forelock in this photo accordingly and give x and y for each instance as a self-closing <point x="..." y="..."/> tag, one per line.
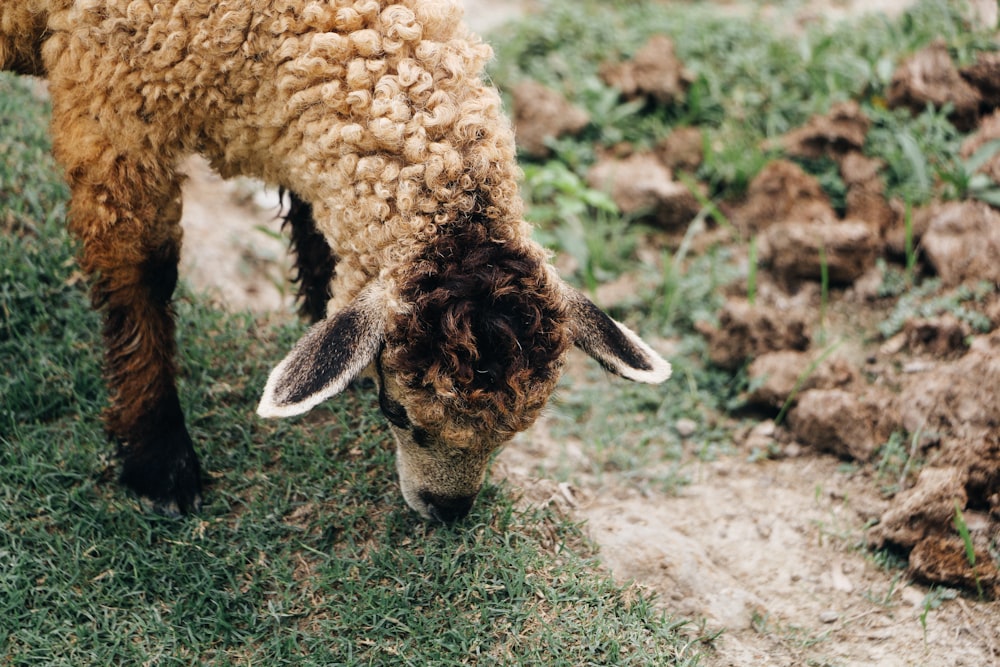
<point x="485" y="331"/>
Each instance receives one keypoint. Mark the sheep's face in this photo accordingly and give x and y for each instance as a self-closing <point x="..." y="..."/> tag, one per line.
<point x="466" y="351"/>
<point x="441" y="465"/>
<point x="469" y="360"/>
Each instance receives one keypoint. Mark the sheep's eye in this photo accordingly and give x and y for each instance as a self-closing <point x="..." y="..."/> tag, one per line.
<point x="421" y="437"/>
<point x="393" y="411"/>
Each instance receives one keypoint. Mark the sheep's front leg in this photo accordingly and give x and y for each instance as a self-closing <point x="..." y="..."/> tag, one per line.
<point x="126" y="213"/>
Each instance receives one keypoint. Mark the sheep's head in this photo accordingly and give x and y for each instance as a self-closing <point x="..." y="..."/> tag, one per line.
<point x="465" y="357"/>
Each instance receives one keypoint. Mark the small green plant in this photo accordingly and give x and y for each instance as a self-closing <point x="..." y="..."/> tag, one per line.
<point x="672" y="266"/>
<point x="970" y="549"/>
<point x="581" y="221"/>
<point x="926" y="300"/>
<point x="824" y="292"/>
<point x="895" y="460"/>
<point x="911" y="253"/>
<point x="966" y="181"/>
<point x="885" y="599"/>
<point x="917" y="149"/>
<point x="935" y="598"/>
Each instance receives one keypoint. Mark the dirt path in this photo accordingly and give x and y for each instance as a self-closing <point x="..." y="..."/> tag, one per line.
<point x="770" y="551"/>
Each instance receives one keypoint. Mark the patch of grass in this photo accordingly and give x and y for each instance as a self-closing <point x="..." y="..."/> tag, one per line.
<point x="788" y="633"/>
<point x="581" y="222"/>
<point x="918" y="150"/>
<point x="750" y="82"/>
<point x="929" y="300"/>
<point x="630" y="430"/>
<point x="895" y="460"/>
<point x="965" y="181"/>
<point x="304" y="552"/>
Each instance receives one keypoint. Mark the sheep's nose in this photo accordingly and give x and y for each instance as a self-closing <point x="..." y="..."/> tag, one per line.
<point x="447" y="509"/>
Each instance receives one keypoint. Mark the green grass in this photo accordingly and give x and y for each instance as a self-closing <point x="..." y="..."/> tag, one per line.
<point x="751" y="82"/>
<point x="930" y="299"/>
<point x="304" y="552"/>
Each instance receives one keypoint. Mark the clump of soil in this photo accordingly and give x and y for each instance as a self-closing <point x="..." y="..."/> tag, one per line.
<point x="775" y="377"/>
<point x="745" y="332"/>
<point x="542" y="114"/>
<point x="835" y="134"/>
<point x="984" y="76"/>
<point x="930" y="77"/>
<point x="782" y="191"/>
<point x="962" y="242"/>
<point x="653" y="72"/>
<point x="642" y="185"/>
<point x="682" y="150"/>
<point x="804" y="250"/>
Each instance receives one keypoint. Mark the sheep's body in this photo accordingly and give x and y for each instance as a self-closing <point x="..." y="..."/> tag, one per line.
<point x="374" y="114"/>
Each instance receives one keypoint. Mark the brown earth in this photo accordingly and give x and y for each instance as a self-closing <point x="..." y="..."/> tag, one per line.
<point x="772" y="543"/>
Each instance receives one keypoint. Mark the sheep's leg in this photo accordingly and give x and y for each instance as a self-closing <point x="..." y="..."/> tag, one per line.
<point x="126" y="212"/>
<point x="314" y="261"/>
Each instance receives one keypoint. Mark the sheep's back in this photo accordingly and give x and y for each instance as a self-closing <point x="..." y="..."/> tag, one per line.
<point x="375" y="112"/>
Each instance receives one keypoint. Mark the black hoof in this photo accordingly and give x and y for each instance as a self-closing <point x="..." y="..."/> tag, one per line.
<point x="163" y="470"/>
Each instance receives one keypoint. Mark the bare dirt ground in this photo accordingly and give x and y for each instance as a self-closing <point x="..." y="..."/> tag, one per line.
<point x="771" y="551"/>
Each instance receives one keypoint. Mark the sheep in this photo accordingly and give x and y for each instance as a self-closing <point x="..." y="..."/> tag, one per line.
<point x="414" y="260"/>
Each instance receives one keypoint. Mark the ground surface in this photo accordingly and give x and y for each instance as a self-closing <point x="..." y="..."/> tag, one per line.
<point x="767" y="550"/>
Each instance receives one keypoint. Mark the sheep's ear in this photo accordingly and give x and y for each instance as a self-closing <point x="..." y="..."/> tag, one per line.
<point x="616" y="347"/>
<point x="325" y="360"/>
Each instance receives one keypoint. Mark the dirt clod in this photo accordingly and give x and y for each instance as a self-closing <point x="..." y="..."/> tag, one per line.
<point x="782" y="191"/>
<point x="866" y="193"/>
<point x="930" y="77"/>
<point x="654" y="71"/>
<point x="746" y="332"/>
<point x="984" y="76"/>
<point x="922" y="521"/>
<point x="939" y="337"/>
<point x="835" y="421"/>
<point x="963" y="242"/>
<point x="682" y="149"/>
<point x="843" y="130"/>
<point x="641" y="184"/>
<point x="774" y="376"/>
<point x="942" y="559"/>
<point x="802" y="250"/>
<point x="542" y="114"/>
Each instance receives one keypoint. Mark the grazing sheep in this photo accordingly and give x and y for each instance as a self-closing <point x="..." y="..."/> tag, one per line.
<point x="413" y="257"/>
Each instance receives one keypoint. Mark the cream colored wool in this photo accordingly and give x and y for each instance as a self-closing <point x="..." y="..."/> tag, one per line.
<point x="373" y="111"/>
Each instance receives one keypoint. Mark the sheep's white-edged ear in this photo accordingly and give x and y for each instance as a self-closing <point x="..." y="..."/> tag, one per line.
<point x="332" y="353"/>
<point x="616" y="347"/>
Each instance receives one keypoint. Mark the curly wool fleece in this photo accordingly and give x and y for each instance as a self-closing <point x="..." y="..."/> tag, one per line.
<point x="375" y="111"/>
